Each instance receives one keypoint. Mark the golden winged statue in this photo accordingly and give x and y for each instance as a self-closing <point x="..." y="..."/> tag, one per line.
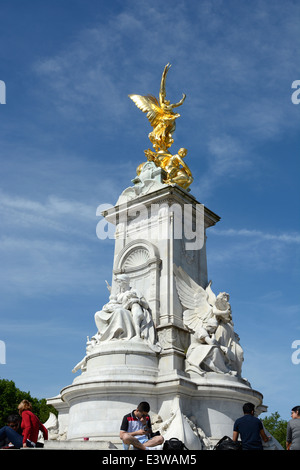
<point x="162" y="118"/>
<point x="160" y="114"/>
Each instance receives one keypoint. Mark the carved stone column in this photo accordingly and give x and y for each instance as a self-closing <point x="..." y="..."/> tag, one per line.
<point x="153" y="232"/>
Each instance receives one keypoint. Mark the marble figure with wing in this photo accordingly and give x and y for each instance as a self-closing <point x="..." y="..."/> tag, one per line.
<point x="214" y="344"/>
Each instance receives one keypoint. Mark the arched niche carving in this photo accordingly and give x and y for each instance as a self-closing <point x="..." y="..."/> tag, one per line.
<point x="140" y="260"/>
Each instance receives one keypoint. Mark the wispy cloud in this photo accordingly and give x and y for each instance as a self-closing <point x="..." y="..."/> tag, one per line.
<point x="49" y="246"/>
<point x="256" y="248"/>
<point x="34" y="266"/>
<point x="258" y="235"/>
<point x="237" y="77"/>
<point x="230" y="70"/>
<point x="53" y="215"/>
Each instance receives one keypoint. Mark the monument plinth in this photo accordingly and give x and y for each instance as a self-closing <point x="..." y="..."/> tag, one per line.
<point x="163" y="336"/>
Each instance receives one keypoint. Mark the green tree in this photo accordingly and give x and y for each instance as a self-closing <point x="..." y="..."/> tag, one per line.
<point x="277" y="427"/>
<point x="11" y="396"/>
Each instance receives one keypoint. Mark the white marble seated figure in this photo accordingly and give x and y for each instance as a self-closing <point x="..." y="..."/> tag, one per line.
<point x="126" y="316"/>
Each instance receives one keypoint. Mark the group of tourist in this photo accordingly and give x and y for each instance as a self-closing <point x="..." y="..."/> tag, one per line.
<point x="136" y="430"/>
<point x="22" y="430"/>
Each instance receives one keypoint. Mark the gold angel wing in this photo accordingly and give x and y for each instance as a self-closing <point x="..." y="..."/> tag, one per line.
<point x="149" y="104"/>
<point x="193" y="297"/>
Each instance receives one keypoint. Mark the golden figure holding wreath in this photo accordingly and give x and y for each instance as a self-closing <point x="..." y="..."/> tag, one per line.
<point x="162" y="119"/>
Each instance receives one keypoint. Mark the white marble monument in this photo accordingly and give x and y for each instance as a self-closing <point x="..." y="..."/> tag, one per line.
<point x="163" y="336"/>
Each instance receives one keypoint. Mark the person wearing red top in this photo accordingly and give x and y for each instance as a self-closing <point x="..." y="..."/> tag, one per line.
<point x="30" y="426"/>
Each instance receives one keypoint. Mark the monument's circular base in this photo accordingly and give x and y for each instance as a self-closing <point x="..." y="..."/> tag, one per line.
<point x="96" y="407"/>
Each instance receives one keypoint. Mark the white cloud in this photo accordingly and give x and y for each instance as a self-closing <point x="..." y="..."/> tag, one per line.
<point x="236" y="63"/>
<point x="259" y="235"/>
<point x="240" y="57"/>
<point x="55" y="214"/>
<point x="254" y="249"/>
<point x="31" y="266"/>
<point x="50" y="245"/>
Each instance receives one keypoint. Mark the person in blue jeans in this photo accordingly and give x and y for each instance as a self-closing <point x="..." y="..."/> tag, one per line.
<point x="250" y="429"/>
<point x="14" y="422"/>
<point x="10" y="435"/>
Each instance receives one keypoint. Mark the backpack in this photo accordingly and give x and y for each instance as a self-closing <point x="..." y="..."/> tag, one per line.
<point x="226" y="443"/>
<point x="174" y="444"/>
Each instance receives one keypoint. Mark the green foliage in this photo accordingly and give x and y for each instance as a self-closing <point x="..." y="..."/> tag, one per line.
<point x="277" y="427"/>
<point x="11" y="396"/>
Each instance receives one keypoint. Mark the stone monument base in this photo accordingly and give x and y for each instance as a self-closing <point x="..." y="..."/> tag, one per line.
<point x="197" y="410"/>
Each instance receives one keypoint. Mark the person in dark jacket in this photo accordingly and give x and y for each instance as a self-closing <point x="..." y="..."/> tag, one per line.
<point x="250" y="429"/>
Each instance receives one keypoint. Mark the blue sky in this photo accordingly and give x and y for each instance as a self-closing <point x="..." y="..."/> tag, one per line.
<point x="71" y="140"/>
